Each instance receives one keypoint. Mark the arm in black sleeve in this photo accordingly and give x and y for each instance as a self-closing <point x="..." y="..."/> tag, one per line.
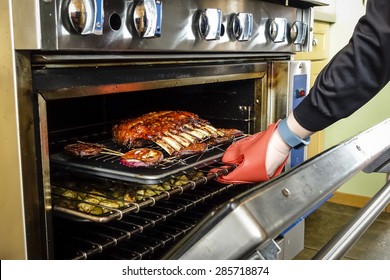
<point x="354" y="75"/>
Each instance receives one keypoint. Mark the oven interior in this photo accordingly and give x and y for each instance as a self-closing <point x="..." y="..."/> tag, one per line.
<point x="163" y="205"/>
<point x="228" y="104"/>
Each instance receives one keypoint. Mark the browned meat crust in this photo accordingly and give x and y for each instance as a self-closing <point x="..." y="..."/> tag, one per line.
<point x="83" y="150"/>
<point x="153" y="126"/>
<point x="177" y="132"/>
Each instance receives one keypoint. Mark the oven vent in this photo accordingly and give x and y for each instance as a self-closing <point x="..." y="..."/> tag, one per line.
<point x="141" y="235"/>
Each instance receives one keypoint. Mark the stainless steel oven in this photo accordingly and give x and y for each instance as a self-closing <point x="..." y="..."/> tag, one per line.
<point x="81" y="66"/>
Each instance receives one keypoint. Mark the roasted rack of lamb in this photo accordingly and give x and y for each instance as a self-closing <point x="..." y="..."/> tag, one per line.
<point x="177" y="132"/>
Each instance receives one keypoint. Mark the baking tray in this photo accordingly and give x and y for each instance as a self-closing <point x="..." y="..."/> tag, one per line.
<point x="83" y="198"/>
<point x="108" y="166"/>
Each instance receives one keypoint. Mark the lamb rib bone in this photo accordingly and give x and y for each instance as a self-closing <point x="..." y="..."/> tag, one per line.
<point x="182" y="141"/>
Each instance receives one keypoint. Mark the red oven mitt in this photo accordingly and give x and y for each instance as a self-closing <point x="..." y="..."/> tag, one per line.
<point x="249" y="154"/>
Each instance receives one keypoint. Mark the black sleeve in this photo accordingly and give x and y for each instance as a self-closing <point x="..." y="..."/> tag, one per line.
<point x="354" y="75"/>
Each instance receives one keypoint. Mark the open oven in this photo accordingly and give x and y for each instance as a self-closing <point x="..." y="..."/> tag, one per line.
<point x="226" y="92"/>
<point x="86" y="65"/>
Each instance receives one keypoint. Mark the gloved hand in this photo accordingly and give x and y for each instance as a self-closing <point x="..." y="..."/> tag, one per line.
<point x="259" y="157"/>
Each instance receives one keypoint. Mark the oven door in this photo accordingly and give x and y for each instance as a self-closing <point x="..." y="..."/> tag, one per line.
<point x="261" y="213"/>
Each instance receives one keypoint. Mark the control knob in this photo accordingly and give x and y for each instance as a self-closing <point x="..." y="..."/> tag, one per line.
<point x="277" y="30"/>
<point x="210" y="24"/>
<point x="242" y="26"/>
<point x="147" y="18"/>
<point x="84" y="16"/>
<point x="298" y="32"/>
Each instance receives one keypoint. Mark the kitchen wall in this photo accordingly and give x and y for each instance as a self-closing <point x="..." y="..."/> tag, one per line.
<point x="347" y="14"/>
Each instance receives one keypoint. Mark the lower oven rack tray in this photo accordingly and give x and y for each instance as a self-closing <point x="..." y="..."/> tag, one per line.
<point x="103" y="200"/>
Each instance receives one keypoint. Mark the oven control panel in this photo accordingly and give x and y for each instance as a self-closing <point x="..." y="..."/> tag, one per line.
<point x="162" y="25"/>
<point x="298" y="88"/>
<point x="300" y="85"/>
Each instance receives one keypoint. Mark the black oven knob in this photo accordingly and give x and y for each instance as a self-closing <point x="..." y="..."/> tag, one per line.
<point x="277" y="30"/>
<point x="147" y="18"/>
<point x="242" y="26"/>
<point x="298" y="33"/>
<point x="84" y="16"/>
<point x="210" y="24"/>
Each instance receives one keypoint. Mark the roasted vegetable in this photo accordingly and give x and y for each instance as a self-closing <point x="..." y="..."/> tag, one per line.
<point x="96" y="200"/>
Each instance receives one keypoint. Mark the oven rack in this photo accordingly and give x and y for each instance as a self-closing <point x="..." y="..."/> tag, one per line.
<point x="108" y="166"/>
<point x="103" y="200"/>
<point x="140" y="235"/>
